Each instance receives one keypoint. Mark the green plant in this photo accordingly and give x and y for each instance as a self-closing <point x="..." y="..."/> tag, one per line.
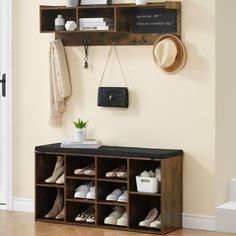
<point x="80" y="124"/>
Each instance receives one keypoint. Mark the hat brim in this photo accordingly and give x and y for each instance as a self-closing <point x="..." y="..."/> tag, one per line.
<point x="181" y="56"/>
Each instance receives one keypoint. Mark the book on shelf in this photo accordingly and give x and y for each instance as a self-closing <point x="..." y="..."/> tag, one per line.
<point x="96" y="19"/>
<point x="92" y="24"/>
<point x="93" y="143"/>
<point x="94" y="27"/>
<point x="95" y="2"/>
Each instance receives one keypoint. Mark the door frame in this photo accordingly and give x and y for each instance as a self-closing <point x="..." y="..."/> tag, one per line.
<point x="9" y="157"/>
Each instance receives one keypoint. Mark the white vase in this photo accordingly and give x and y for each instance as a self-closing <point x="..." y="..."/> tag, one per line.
<point x="140" y="2"/>
<point x="59" y="23"/>
<point x="71" y="3"/>
<point x="80" y="134"/>
<point x="70" y="25"/>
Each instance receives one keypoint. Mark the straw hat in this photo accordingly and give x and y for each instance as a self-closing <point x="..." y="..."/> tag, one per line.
<point x="169" y="54"/>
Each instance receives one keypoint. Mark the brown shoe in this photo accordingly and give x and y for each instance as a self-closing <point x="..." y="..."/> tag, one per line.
<point x="57" y="206"/>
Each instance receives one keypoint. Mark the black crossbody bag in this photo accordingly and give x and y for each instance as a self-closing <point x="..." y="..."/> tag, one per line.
<point x="113" y="96"/>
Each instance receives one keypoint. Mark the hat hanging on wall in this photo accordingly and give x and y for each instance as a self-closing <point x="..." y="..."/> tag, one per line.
<point x="169" y="54"/>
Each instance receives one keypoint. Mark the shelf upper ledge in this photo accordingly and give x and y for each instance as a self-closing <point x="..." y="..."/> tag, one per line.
<point x="166" y="4"/>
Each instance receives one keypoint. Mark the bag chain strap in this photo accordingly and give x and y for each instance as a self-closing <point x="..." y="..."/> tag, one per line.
<point x="109" y="55"/>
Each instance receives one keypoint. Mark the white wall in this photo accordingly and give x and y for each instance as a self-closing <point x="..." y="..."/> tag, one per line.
<point x="225" y="98"/>
<point x="165" y="111"/>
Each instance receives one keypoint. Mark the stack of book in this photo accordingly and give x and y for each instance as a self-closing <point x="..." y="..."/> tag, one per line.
<point x="93" y="143"/>
<point x="96" y="23"/>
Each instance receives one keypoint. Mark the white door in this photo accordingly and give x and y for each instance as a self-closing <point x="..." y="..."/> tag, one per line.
<point x="5" y="105"/>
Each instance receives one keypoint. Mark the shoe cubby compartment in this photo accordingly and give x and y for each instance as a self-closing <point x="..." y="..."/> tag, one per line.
<point x="105" y="188"/>
<point x="49" y="14"/>
<point x="108" y="164"/>
<point x="46" y="197"/>
<point x="73" y="209"/>
<point x="72" y="185"/>
<point x="78" y="162"/>
<point x="105" y="159"/>
<point x="45" y="165"/>
<point x="136" y="167"/>
<point x="104" y="211"/>
<point x="124" y="22"/>
<point x="140" y="213"/>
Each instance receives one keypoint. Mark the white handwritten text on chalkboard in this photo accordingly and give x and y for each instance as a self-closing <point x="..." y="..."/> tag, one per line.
<point x="154" y="21"/>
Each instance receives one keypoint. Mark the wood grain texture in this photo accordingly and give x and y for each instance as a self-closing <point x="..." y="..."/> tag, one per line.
<point x="171" y="193"/>
<point x="120" y="34"/>
<point x="168" y="200"/>
<point x="22" y="224"/>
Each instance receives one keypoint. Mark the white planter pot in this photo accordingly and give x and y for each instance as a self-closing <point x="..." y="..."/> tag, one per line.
<point x="80" y="134"/>
<point x="140" y="2"/>
<point x="71" y="3"/>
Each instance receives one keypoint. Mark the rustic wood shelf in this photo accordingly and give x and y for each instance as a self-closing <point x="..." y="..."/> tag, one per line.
<point x="113" y="180"/>
<point x="50" y="185"/>
<point x="143" y="193"/>
<point x="112" y="203"/>
<point x="81" y="200"/>
<point x="122" y="15"/>
<point x="168" y="201"/>
<point x="80" y="177"/>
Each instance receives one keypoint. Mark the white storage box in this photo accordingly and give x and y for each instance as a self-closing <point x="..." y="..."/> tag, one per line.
<point x="147" y="184"/>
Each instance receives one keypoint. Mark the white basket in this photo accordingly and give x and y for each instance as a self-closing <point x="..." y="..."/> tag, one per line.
<point x="147" y="184"/>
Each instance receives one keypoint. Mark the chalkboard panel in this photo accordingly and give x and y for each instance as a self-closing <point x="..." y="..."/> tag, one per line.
<point x="151" y="20"/>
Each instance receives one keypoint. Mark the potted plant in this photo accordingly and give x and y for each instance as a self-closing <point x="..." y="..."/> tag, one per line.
<point x="80" y="126"/>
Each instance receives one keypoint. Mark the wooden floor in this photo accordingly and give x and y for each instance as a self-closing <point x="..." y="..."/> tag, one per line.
<point x="22" y="224"/>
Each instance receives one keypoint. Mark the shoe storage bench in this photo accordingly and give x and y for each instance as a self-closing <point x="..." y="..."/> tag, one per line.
<point x="168" y="199"/>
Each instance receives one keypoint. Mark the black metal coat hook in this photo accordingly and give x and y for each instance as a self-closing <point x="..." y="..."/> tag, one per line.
<point x="86" y="46"/>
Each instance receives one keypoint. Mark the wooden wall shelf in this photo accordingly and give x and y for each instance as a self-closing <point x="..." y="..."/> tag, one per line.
<point x="168" y="200"/>
<point x="123" y="15"/>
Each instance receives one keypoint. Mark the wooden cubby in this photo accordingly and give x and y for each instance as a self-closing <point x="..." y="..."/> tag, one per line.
<point x="122" y="16"/>
<point x="168" y="200"/>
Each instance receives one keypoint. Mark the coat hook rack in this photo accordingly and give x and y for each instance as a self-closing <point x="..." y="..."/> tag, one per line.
<point x="86" y="47"/>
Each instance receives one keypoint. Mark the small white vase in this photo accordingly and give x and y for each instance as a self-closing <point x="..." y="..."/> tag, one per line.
<point x="72" y="3"/>
<point x="70" y="26"/>
<point x="140" y="2"/>
<point x="80" y="135"/>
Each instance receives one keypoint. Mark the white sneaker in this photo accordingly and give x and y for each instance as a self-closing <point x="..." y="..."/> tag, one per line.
<point x="114" y="216"/>
<point x="150" y="218"/>
<point x="156" y="223"/>
<point x="82" y="190"/>
<point x="91" y="193"/>
<point x="114" y="195"/>
<point x="123" y="197"/>
<point x="123" y="220"/>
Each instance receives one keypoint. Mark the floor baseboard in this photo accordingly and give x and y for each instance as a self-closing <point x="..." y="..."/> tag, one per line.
<point x="23" y="204"/>
<point x="190" y="221"/>
<point x="201" y="222"/>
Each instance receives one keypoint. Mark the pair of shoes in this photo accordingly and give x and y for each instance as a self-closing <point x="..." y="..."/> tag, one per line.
<point x="87" y="216"/>
<point x="85" y="191"/>
<point x="117" y="217"/>
<point x="57" y="211"/>
<point x="151" y="219"/>
<point x="88" y="170"/>
<point x="152" y="174"/>
<point x="119" y="194"/>
<point x="58" y="172"/>
<point x="119" y="172"/>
